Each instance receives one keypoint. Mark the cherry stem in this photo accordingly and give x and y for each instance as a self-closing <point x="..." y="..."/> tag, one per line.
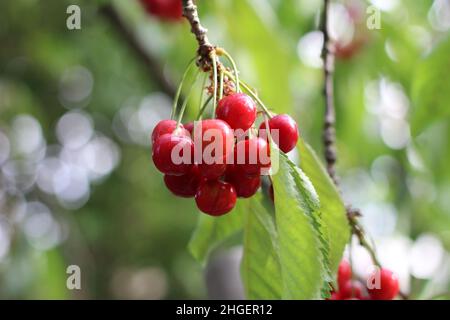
<point x="202" y="92"/>
<point x="186" y="100"/>
<point x="203" y="108"/>
<point x="180" y="86"/>
<point x="221" y="84"/>
<point x="214" y="62"/>
<point x="230" y="58"/>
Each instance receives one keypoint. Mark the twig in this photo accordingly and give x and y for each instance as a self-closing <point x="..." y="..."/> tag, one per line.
<point x="204" y="46"/>
<point x="329" y="132"/>
<point x="151" y="62"/>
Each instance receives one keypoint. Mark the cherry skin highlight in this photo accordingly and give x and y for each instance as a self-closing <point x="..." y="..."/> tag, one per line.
<point x="162" y="154"/>
<point x="287" y="131"/>
<point x="185" y="185"/>
<point x="215" y="197"/>
<point x="238" y="110"/>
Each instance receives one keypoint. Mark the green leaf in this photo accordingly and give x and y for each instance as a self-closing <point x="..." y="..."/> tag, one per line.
<point x="260" y="268"/>
<point x="332" y="208"/>
<point x="302" y="247"/>
<point x="430" y="94"/>
<point x="212" y="231"/>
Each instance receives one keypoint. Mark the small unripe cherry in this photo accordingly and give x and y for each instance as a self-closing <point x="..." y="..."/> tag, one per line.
<point x="215" y="197"/>
<point x="389" y="285"/>
<point x="163" y="158"/>
<point x="185" y="185"/>
<point x="238" y="110"/>
<point x="287" y="131"/>
<point x="245" y="186"/>
<point x="167" y="126"/>
<point x="252" y="156"/>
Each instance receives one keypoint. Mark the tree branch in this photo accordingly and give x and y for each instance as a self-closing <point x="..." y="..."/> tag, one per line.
<point x="152" y="63"/>
<point x="204" y="46"/>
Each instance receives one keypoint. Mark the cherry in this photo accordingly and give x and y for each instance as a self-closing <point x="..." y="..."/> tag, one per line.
<point x="352" y="290"/>
<point x="212" y="171"/>
<point x="252" y="155"/>
<point x="344" y="273"/>
<point x="238" y="110"/>
<point x="389" y="286"/>
<point x="335" y="296"/>
<point x="287" y="131"/>
<point x="245" y="186"/>
<point x="185" y="185"/>
<point x="167" y="126"/>
<point x="189" y="127"/>
<point x="162" y="154"/>
<point x="171" y="10"/>
<point x="211" y="136"/>
<point x="215" y="197"/>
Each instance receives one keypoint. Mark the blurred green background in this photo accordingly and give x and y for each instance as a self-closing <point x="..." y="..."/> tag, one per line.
<point x="77" y="107"/>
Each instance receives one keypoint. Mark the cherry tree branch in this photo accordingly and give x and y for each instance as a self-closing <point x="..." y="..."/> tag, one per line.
<point x="152" y="63"/>
<point x="204" y="46"/>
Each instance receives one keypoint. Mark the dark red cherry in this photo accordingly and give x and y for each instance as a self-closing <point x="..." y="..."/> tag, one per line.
<point x="352" y="290"/>
<point x="212" y="171"/>
<point x="238" y="110"/>
<point x="167" y="126"/>
<point x="173" y="154"/>
<point x="171" y="10"/>
<point x="185" y="185"/>
<point x="252" y="156"/>
<point x="215" y="197"/>
<point x="287" y="131"/>
<point x="344" y="273"/>
<point x="388" y="285"/>
<point x="245" y="186"/>
<point x="214" y="140"/>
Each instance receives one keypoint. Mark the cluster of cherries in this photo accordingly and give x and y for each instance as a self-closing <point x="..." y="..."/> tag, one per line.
<point x="352" y="289"/>
<point x="168" y="10"/>
<point x="236" y="171"/>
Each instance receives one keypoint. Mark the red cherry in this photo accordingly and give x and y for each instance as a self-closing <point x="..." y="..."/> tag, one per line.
<point x="344" y="273"/>
<point x="211" y="136"/>
<point x="212" y="171"/>
<point x="189" y="127"/>
<point x="164" y="9"/>
<point x="245" y="186"/>
<point x="335" y="296"/>
<point x="184" y="186"/>
<point x="215" y="197"/>
<point x="388" y="288"/>
<point x="252" y="155"/>
<point x="287" y="131"/>
<point x="238" y="110"/>
<point x="162" y="154"/>
<point x="167" y="126"/>
<point x="352" y="290"/>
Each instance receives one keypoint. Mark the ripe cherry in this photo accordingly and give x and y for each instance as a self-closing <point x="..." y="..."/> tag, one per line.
<point x="189" y="127"/>
<point x="287" y="131"/>
<point x="245" y="186"/>
<point x="183" y="159"/>
<point x="344" y="273"/>
<point x="238" y="110"/>
<point x="388" y="288"/>
<point x="185" y="185"/>
<point x="215" y="197"/>
<point x="167" y="126"/>
<point x="335" y="296"/>
<point x="252" y="155"/>
<point x="352" y="290"/>
<point x="210" y="137"/>
<point x="212" y="171"/>
<point x="171" y="10"/>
